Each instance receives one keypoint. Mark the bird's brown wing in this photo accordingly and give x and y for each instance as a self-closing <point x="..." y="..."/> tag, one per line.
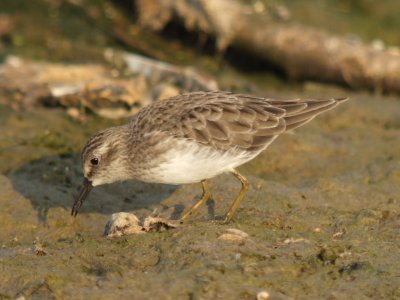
<point x="299" y="112"/>
<point x="230" y="121"/>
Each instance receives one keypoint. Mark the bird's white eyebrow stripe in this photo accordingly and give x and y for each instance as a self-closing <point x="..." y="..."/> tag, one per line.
<point x="92" y="143"/>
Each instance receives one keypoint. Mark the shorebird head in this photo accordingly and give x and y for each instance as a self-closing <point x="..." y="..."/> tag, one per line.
<point x="102" y="161"/>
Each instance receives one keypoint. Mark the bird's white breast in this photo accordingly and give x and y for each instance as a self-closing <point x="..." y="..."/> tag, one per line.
<point x="187" y="162"/>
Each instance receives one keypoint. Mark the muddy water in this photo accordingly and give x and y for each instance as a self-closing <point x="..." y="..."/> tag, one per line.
<point x="323" y="215"/>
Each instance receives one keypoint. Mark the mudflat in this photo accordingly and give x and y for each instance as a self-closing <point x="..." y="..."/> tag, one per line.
<point x="321" y="218"/>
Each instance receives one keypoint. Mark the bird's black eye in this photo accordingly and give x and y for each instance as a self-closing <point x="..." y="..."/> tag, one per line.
<point x="94" y="161"/>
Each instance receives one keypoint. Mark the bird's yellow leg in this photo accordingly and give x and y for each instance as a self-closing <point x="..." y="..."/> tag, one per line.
<point x="239" y="198"/>
<point x="206" y="195"/>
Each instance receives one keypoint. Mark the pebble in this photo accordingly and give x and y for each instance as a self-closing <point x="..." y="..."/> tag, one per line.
<point x="263" y="295"/>
<point x="122" y="224"/>
<point x="233" y="234"/>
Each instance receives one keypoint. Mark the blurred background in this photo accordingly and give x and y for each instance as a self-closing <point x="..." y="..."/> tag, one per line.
<point x="323" y="214"/>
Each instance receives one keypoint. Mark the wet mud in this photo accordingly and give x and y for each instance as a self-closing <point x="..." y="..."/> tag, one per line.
<point x="321" y="219"/>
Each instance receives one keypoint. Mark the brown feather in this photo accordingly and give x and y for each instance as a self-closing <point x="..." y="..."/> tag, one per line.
<point x="226" y="121"/>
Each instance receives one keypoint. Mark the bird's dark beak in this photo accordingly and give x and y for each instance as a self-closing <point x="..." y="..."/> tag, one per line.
<point x="87" y="186"/>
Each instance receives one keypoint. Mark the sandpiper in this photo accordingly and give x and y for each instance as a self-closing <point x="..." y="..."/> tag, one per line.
<point x="191" y="138"/>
